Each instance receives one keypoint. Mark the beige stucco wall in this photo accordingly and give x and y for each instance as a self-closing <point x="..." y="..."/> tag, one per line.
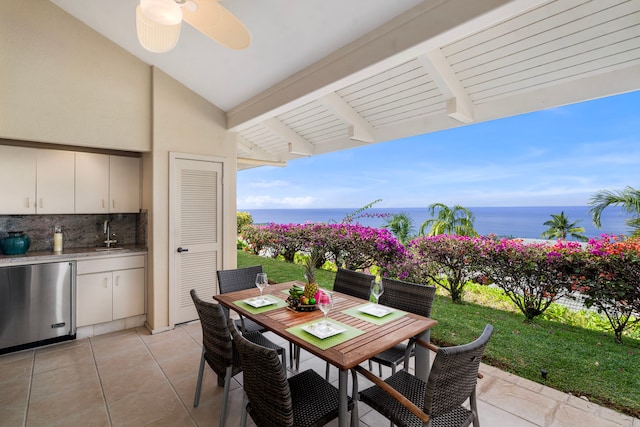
<point x="61" y="82"/>
<point x="184" y="123"/>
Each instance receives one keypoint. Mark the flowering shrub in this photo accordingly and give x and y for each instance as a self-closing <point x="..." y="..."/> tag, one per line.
<point x="349" y="245"/>
<point x="450" y="261"/>
<point x="531" y="275"/>
<point x="613" y="282"/>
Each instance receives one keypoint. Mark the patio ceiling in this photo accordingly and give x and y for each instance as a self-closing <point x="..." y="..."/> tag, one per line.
<point x="434" y="66"/>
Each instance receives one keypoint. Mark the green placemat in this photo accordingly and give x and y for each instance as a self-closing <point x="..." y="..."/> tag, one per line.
<point x="253" y="310"/>
<point x="353" y="311"/>
<point x="326" y="343"/>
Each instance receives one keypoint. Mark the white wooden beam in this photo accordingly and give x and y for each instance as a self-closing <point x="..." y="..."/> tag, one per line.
<point x="459" y="105"/>
<point x="359" y="129"/>
<point x="260" y="162"/>
<point x="297" y="144"/>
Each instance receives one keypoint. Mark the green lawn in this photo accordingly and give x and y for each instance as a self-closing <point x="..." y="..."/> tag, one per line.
<point x="578" y="361"/>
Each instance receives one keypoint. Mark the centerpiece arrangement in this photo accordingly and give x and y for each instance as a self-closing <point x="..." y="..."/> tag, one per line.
<point x="304" y="299"/>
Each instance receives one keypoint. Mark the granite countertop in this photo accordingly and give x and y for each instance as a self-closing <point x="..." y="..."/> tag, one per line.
<point x="70" y="254"/>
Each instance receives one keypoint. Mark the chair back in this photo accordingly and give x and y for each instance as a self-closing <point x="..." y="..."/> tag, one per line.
<point x="454" y="375"/>
<point x="216" y="339"/>
<point x="354" y="283"/>
<point x="238" y="279"/>
<point x="264" y="382"/>
<point x="407" y="296"/>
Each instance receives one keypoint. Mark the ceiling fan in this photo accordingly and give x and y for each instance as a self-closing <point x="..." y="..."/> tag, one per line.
<point x="158" y="23"/>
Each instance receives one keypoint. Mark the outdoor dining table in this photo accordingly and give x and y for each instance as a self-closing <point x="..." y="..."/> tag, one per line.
<point x="363" y="337"/>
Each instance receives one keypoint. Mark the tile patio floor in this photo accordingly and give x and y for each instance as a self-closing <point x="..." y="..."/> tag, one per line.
<point x="132" y="378"/>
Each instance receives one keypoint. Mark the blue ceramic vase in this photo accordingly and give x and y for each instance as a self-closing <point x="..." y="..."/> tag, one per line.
<point x="16" y="243"/>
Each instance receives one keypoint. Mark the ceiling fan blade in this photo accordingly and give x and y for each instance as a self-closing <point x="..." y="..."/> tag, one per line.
<point x="218" y="23"/>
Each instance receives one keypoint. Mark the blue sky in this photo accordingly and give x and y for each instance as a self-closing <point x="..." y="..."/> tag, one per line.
<point x="555" y="157"/>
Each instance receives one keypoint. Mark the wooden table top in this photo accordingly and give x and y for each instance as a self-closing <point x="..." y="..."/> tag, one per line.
<point x="345" y="355"/>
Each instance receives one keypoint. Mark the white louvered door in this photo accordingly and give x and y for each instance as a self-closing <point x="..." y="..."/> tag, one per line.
<point x="196" y="206"/>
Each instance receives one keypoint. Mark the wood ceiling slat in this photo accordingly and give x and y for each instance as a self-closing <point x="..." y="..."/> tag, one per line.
<point x="407" y="87"/>
<point x="430" y="97"/>
<point x="607" y="34"/>
<point x="382" y="77"/>
<point x="406" y="115"/>
<point x="606" y="46"/>
<point x="414" y="77"/>
<point x="583" y="69"/>
<point x="532" y="24"/>
<point x="405" y="104"/>
<point x="572" y="34"/>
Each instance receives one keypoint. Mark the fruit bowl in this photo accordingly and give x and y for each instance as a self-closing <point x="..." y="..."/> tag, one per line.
<point x="294" y="304"/>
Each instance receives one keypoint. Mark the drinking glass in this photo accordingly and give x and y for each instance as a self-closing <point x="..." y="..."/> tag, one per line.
<point x="261" y="283"/>
<point x="377" y="289"/>
<point x="325" y="303"/>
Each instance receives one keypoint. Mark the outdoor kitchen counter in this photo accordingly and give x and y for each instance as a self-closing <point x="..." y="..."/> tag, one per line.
<point x="70" y="254"/>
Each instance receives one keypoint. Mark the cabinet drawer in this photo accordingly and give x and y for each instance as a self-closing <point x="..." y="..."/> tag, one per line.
<point x="110" y="264"/>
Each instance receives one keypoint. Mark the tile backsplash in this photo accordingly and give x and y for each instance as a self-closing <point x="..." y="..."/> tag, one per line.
<point x="79" y="231"/>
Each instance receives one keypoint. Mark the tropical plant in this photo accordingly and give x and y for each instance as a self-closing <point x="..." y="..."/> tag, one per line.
<point x="560" y="227"/>
<point x="613" y="281"/>
<point x="628" y="199"/>
<point x="360" y="212"/>
<point x="401" y="225"/>
<point x="457" y="220"/>
<point x="532" y="275"/>
<point x="242" y="219"/>
<point x="448" y="261"/>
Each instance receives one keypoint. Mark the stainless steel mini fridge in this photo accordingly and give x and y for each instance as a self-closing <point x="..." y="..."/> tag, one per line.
<point x="37" y="304"/>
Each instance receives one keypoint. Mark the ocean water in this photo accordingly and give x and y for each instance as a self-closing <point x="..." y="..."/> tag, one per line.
<point x="525" y="222"/>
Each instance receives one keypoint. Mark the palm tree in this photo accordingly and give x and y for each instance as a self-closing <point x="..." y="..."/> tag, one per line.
<point x="401" y="225"/>
<point x="457" y="220"/>
<point x="629" y="199"/>
<point x="560" y="227"/>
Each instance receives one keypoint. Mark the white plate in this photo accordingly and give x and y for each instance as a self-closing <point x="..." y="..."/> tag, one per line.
<point x="258" y="302"/>
<point x="375" y="310"/>
<point x="317" y="329"/>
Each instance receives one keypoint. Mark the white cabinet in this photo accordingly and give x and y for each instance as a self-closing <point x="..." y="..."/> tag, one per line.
<point x="34" y="180"/>
<point x="107" y="183"/>
<point x="110" y="289"/>
<point x="55" y="178"/>
<point x="124" y="184"/>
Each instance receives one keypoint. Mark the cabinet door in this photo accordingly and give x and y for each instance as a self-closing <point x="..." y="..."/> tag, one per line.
<point x="55" y="182"/>
<point x="92" y="183"/>
<point x="128" y="293"/>
<point x="17" y="180"/>
<point x="124" y="184"/>
<point x="94" y="298"/>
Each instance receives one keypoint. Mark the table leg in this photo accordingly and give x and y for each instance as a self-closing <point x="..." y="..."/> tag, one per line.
<point x="343" y="409"/>
<point x="422" y="357"/>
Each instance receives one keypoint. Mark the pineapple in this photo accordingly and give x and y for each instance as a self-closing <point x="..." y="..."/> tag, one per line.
<point x="311" y="287"/>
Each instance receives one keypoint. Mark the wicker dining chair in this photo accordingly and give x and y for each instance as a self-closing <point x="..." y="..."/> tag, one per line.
<point x="408" y="401"/>
<point x="217" y="349"/>
<point x="406" y="296"/>
<point x="354" y="283"/>
<point x="273" y="400"/>
<point x="240" y="279"/>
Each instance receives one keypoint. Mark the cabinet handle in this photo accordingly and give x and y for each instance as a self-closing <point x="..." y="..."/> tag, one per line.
<point x="28" y="202"/>
<point x="103" y="204"/>
<point x="117" y="280"/>
<point x="105" y="283"/>
<point x="113" y="203"/>
<point x="41" y="202"/>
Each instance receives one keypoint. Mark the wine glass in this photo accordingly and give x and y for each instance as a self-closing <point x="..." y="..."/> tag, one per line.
<point x="377" y="289"/>
<point x="325" y="303"/>
<point x="261" y="283"/>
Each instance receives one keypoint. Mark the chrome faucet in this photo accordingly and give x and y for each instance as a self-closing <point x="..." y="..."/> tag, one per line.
<point x="107" y="234"/>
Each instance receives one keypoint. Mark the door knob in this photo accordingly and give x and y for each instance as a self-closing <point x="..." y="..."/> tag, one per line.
<point x="180" y="250"/>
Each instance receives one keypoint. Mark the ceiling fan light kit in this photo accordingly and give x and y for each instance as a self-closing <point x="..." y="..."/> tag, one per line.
<point x="158" y="24"/>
